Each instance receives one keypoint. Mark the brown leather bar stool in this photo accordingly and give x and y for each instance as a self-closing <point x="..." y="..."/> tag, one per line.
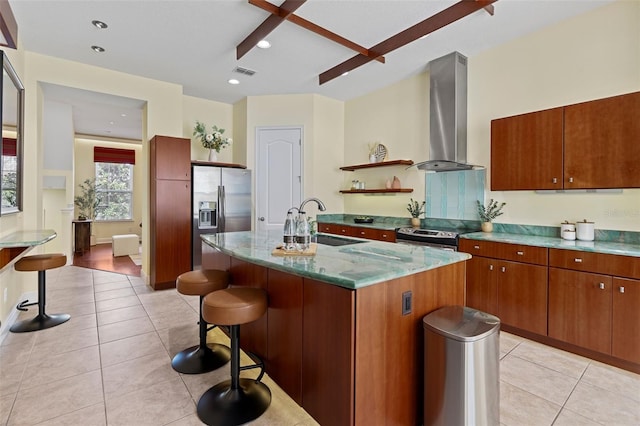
<point x="235" y="401"/>
<point x="201" y="358"/>
<point x="40" y="263"/>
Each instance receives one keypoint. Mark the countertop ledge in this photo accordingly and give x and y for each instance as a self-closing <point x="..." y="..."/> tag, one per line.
<point x="605" y="247"/>
<point x="350" y="266"/>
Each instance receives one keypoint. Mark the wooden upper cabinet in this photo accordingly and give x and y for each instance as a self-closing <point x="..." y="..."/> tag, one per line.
<point x="526" y="151"/>
<point x="601" y="143"/>
<point x="170" y="158"/>
<point x="590" y="145"/>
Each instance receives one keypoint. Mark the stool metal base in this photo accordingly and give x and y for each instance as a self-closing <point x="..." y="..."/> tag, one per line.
<point x="221" y="405"/>
<point x="39" y="322"/>
<point x="196" y="360"/>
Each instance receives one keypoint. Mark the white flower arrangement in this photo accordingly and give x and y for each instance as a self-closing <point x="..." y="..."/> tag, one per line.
<point x="213" y="139"/>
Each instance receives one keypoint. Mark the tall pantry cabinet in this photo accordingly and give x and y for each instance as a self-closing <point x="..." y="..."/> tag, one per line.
<point x="170" y="210"/>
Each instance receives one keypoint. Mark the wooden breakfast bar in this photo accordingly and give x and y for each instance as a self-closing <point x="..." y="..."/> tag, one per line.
<point x="343" y="333"/>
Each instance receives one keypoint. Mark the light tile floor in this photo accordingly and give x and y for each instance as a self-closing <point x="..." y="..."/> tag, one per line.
<point x="110" y="364"/>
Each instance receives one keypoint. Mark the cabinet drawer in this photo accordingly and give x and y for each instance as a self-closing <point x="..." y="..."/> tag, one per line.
<point x="506" y="251"/>
<point x="375" y="234"/>
<point x="601" y="263"/>
<point x="332" y="228"/>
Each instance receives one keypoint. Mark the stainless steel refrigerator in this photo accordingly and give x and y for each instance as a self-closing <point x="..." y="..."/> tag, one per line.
<point x="220" y="202"/>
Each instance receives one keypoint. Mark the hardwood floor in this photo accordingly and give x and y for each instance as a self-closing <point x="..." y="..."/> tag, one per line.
<point x="101" y="257"/>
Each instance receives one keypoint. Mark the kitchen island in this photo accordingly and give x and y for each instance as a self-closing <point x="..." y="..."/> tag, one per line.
<point x="343" y="331"/>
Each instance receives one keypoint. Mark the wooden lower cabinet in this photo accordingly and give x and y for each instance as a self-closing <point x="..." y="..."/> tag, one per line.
<point x="482" y="286"/>
<point x="284" y="332"/>
<point x="522" y="296"/>
<point x="580" y="308"/>
<point x="358" y="231"/>
<point x="625" y="330"/>
<point x="515" y="292"/>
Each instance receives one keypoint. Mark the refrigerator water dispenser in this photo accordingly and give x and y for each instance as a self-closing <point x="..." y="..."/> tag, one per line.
<point x="207" y="215"/>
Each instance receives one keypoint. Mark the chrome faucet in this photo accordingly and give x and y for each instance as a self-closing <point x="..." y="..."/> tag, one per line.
<point x="320" y="204"/>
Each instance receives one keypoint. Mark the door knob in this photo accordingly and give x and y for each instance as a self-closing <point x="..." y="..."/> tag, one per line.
<point x="261" y="218"/>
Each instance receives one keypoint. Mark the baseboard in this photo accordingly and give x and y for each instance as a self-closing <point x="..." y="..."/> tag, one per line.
<point x="13" y="316"/>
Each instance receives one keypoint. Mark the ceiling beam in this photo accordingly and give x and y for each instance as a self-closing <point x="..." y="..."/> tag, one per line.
<point x="293" y="18"/>
<point x="8" y="25"/>
<point x="269" y="24"/>
<point x="427" y="26"/>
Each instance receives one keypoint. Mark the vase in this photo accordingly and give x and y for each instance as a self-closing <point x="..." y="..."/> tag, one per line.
<point x="213" y="155"/>
<point x="486" y="227"/>
<point x="372" y="158"/>
<point x="415" y="222"/>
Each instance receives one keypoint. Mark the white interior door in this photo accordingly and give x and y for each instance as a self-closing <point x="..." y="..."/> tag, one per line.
<point x="278" y="174"/>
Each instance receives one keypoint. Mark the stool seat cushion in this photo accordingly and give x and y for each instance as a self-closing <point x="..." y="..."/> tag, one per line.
<point x="41" y="262"/>
<point x="234" y="306"/>
<point x="202" y="282"/>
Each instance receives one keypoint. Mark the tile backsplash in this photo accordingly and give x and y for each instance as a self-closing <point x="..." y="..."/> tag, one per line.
<point x="453" y="195"/>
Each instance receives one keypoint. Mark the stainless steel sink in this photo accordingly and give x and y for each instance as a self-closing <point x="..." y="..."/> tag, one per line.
<point x="332" y="240"/>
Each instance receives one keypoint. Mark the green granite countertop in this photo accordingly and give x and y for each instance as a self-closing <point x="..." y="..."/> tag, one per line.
<point x="608" y="247"/>
<point x="350" y="266"/>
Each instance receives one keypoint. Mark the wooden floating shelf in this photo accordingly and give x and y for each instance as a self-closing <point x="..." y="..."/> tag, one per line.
<point x="381" y="164"/>
<point x="375" y="191"/>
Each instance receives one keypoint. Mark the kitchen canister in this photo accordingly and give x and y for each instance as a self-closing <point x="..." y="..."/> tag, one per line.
<point x="568" y="230"/>
<point x="585" y="230"/>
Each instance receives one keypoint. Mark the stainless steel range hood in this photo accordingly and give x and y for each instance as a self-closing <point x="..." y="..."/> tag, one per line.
<point x="448" y="115"/>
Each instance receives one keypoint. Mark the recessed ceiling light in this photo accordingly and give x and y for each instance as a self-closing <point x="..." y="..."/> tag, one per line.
<point x="99" y="24"/>
<point x="345" y="73"/>
<point x="263" y="44"/>
<point x="123" y="115"/>
<point x="233" y="81"/>
<point x="424" y="36"/>
<point x="112" y="122"/>
<point x="97" y="49"/>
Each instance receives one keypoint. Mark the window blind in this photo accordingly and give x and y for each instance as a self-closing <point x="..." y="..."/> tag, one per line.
<point x="113" y="155"/>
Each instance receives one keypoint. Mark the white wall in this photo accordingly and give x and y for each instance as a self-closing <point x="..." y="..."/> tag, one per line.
<point x="322" y="130"/>
<point x="591" y="56"/>
<point x="210" y="113"/>
<point x="398" y="117"/>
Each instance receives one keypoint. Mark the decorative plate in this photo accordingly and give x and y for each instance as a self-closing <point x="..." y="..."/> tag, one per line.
<point x="380" y="152"/>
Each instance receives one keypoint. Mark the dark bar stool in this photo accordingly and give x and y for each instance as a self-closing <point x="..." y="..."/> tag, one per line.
<point x="201" y="358"/>
<point x="236" y="401"/>
<point x="40" y="263"/>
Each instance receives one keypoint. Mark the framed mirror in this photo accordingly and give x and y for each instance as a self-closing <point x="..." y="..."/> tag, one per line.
<point x="12" y="118"/>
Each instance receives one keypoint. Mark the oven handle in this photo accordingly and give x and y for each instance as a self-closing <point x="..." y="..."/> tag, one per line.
<point x="432" y="245"/>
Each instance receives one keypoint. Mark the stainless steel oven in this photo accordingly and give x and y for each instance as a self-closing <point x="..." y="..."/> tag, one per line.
<point x="442" y="239"/>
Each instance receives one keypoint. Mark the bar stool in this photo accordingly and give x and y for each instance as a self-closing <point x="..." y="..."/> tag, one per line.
<point x="201" y="358"/>
<point x="235" y="401"/>
<point x="40" y="263"/>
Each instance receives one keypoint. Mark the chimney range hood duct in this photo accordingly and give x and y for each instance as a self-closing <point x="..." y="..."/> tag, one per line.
<point x="447" y="115"/>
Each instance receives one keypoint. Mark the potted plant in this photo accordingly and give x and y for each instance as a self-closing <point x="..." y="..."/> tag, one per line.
<point x="488" y="213"/>
<point x="87" y="203"/>
<point x="415" y="209"/>
<point x="211" y="140"/>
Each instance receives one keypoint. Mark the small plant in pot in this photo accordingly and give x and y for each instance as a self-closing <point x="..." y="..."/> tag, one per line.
<point x="415" y="208"/>
<point x="488" y="213"/>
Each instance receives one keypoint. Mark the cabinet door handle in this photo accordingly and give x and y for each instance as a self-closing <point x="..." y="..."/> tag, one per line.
<point x="491" y="267"/>
<point x="476" y="247"/>
<point x="577" y="260"/>
<point x="361" y="232"/>
<point x="555" y="180"/>
<point x="384" y="235"/>
<point x="520" y="253"/>
<point x="570" y="180"/>
<point x="601" y="286"/>
<point x="621" y="289"/>
<point x="503" y="269"/>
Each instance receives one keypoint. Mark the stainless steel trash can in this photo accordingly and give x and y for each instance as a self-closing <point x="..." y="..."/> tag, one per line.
<point x="461" y="367"/>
